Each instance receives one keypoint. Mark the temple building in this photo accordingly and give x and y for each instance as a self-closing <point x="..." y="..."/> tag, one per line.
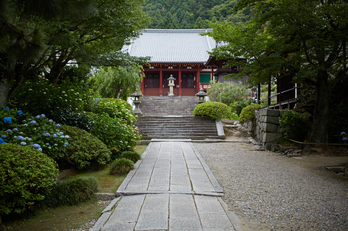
<point x="182" y="53"/>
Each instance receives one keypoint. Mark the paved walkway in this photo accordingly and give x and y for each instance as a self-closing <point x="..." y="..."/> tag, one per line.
<point x="171" y="188"/>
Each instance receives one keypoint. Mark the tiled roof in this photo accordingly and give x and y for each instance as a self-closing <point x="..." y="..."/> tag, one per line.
<point x="172" y="45"/>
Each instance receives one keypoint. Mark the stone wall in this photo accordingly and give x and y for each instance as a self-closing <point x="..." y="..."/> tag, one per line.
<point x="267" y="129"/>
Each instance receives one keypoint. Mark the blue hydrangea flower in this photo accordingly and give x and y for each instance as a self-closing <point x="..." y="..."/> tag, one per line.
<point x="4" y="136"/>
<point x="345" y="138"/>
<point x="23" y="143"/>
<point x="40" y="149"/>
<point x="47" y="134"/>
<point x="343" y="133"/>
<point x="51" y="120"/>
<point x="58" y="125"/>
<point x="19" y="112"/>
<point x="37" y="146"/>
<point x="6" y="109"/>
<point x="15" y="130"/>
<point x="66" y="144"/>
<point x="43" y="115"/>
<point x="8" y="130"/>
<point x="54" y="135"/>
<point x="67" y="137"/>
<point x="48" y="144"/>
<point x="29" y="139"/>
<point x="2" y="141"/>
<point x="7" y="120"/>
<point x="62" y="155"/>
<point x="24" y="121"/>
<point x="20" y="138"/>
<point x="61" y="133"/>
<point x="33" y="122"/>
<point x="38" y="117"/>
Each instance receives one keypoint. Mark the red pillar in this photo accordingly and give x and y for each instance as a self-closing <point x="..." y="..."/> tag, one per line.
<point x="198" y="79"/>
<point x="179" y="80"/>
<point x="161" y="81"/>
<point x="142" y="82"/>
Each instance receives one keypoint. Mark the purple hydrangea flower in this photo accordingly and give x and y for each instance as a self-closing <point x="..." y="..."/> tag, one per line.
<point x="51" y="120"/>
<point x="58" y="125"/>
<point x="47" y="134"/>
<point x="9" y="130"/>
<point x="33" y="122"/>
<point x="37" y="146"/>
<point x="54" y="135"/>
<point x="61" y="133"/>
<point x="43" y="115"/>
<point x="345" y="138"/>
<point x="38" y="117"/>
<point x="7" y="120"/>
<point x="4" y="136"/>
<point x="343" y="133"/>
<point x="15" y="130"/>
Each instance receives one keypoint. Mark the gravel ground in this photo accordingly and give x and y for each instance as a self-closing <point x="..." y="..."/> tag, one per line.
<point x="271" y="192"/>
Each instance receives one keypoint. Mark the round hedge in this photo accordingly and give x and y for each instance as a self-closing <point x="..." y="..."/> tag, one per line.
<point x="214" y="110"/>
<point x="26" y="175"/>
<point x="248" y="113"/>
<point x="84" y="151"/>
<point x="131" y="155"/>
<point x="121" y="166"/>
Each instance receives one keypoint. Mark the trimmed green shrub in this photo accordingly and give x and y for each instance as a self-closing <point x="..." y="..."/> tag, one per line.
<point x="214" y="110"/>
<point x="84" y="150"/>
<point x="116" y="134"/>
<point x="71" y="192"/>
<point x="131" y="155"/>
<point x="248" y="113"/>
<point x="26" y="175"/>
<point x="295" y="125"/>
<point x="121" y="166"/>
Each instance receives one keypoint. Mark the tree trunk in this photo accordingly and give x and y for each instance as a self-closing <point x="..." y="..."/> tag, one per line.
<point x="4" y="90"/>
<point x="319" y="130"/>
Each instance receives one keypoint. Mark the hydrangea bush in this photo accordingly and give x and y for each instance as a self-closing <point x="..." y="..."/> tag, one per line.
<point x="37" y="132"/>
<point x="344" y="136"/>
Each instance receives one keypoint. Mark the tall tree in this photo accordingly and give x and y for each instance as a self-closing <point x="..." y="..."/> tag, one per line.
<point x="304" y="39"/>
<point x="46" y="35"/>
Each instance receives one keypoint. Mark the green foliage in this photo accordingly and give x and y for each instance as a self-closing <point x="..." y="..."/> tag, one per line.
<point x="116" y="82"/>
<point x="248" y="113"/>
<point x="26" y="175"/>
<point x="295" y="125"/>
<point x="115" y="108"/>
<point x="237" y="106"/>
<point x="37" y="132"/>
<point x="84" y="151"/>
<point x="214" y="110"/>
<point x="114" y="132"/>
<point x="41" y="97"/>
<point x="121" y="166"/>
<point x="227" y="93"/>
<point x="131" y="155"/>
<point x="71" y="192"/>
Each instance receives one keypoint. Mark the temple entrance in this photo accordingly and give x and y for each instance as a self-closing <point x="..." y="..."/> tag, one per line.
<point x="188" y="84"/>
<point x="151" y="83"/>
<point x="165" y="88"/>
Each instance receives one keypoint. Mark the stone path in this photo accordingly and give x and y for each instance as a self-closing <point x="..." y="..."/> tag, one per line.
<point x="171" y="188"/>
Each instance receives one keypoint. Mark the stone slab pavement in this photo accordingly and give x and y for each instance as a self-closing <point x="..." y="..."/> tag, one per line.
<point x="171" y="188"/>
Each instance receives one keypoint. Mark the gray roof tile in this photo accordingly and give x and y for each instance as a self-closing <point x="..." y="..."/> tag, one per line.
<point x="172" y="45"/>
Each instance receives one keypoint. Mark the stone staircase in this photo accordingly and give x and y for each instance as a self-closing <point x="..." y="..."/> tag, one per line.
<point x="164" y="105"/>
<point x="171" y="118"/>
